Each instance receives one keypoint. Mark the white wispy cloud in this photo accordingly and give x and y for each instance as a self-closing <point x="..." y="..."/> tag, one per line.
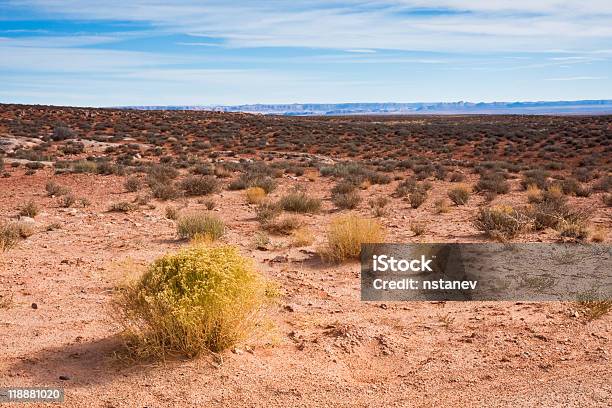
<point x="452" y="25"/>
<point x="577" y="78"/>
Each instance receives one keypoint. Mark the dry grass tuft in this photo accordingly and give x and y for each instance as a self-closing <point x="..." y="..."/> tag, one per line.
<point x="346" y="234"/>
<point x="303" y="236"/>
<point x="255" y="195"/>
<point x="442" y="206"/>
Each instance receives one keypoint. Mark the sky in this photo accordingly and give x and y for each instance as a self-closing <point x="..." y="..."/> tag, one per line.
<point x="229" y="52"/>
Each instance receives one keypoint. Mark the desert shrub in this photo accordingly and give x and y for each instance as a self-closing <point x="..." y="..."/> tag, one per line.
<point x="534" y="194"/>
<point x="380" y="201"/>
<point x="261" y="240"/>
<point x="592" y="308"/>
<point x="457" y="177"/>
<point x="165" y="190"/>
<point x="583" y="174"/>
<point x="171" y="212"/>
<point x="209" y="204"/>
<point x="267" y="211"/>
<point x="604" y="184"/>
<point x="84" y="166"/>
<point x="302" y="236"/>
<point x="583" y="191"/>
<point x="251" y="179"/>
<point x="493" y="182"/>
<point x="161" y="174"/>
<point x="554" y="212"/>
<point x="132" y="184"/>
<point x="346" y="234"/>
<point x="343" y="187"/>
<point x="67" y="200"/>
<point x="418" y="227"/>
<point x="30" y="209"/>
<point x="122" y="206"/>
<point x="62" y="133"/>
<point x="9" y="236"/>
<point x="203" y="169"/>
<point x="300" y="202"/>
<point x="598" y="235"/>
<point x="200" y="298"/>
<point x="283" y="226"/>
<point x="569" y="186"/>
<point x="535" y="177"/>
<point x="54" y="189"/>
<point x="199" y="185"/>
<point x="378" y="205"/>
<point x="442" y="206"/>
<point x="459" y="195"/>
<point x="406" y="187"/>
<point x="417" y="198"/>
<point x="575" y="229"/>
<point x="255" y="195"/>
<point x="501" y="222"/>
<point x="190" y="224"/>
<point x="348" y="200"/>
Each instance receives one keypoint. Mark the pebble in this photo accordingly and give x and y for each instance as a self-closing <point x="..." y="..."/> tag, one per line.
<point x="34" y="306"/>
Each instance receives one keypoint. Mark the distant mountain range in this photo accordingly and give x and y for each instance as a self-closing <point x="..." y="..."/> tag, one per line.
<point x="418" y="108"/>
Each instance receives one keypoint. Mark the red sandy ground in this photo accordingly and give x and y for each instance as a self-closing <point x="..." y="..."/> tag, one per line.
<point x="328" y="348"/>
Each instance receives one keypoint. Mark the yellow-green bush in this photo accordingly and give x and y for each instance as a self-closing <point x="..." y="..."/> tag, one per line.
<point x="255" y="195"/>
<point x="346" y="234"/>
<point x="200" y="298"/>
<point x="190" y="224"/>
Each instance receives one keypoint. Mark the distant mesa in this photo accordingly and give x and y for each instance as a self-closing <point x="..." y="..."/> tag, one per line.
<point x="582" y="107"/>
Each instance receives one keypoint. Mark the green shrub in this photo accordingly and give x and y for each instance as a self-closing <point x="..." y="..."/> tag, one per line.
<point x="300" y="202"/>
<point x="209" y="225"/>
<point x="493" y="182"/>
<point x="165" y="190"/>
<point x="535" y="177"/>
<point x="84" y="166"/>
<point x="501" y="222"/>
<point x="199" y="185"/>
<point x="200" y="298"/>
<point x="348" y="200"/>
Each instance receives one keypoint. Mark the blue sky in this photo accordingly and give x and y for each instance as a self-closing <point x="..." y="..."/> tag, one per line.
<point x="154" y="52"/>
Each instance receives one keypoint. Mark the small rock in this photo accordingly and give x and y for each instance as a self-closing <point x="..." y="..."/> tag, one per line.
<point x="64" y="377"/>
<point x="34" y="306"/>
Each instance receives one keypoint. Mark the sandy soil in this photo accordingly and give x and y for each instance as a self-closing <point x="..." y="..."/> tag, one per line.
<point x="328" y="349"/>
